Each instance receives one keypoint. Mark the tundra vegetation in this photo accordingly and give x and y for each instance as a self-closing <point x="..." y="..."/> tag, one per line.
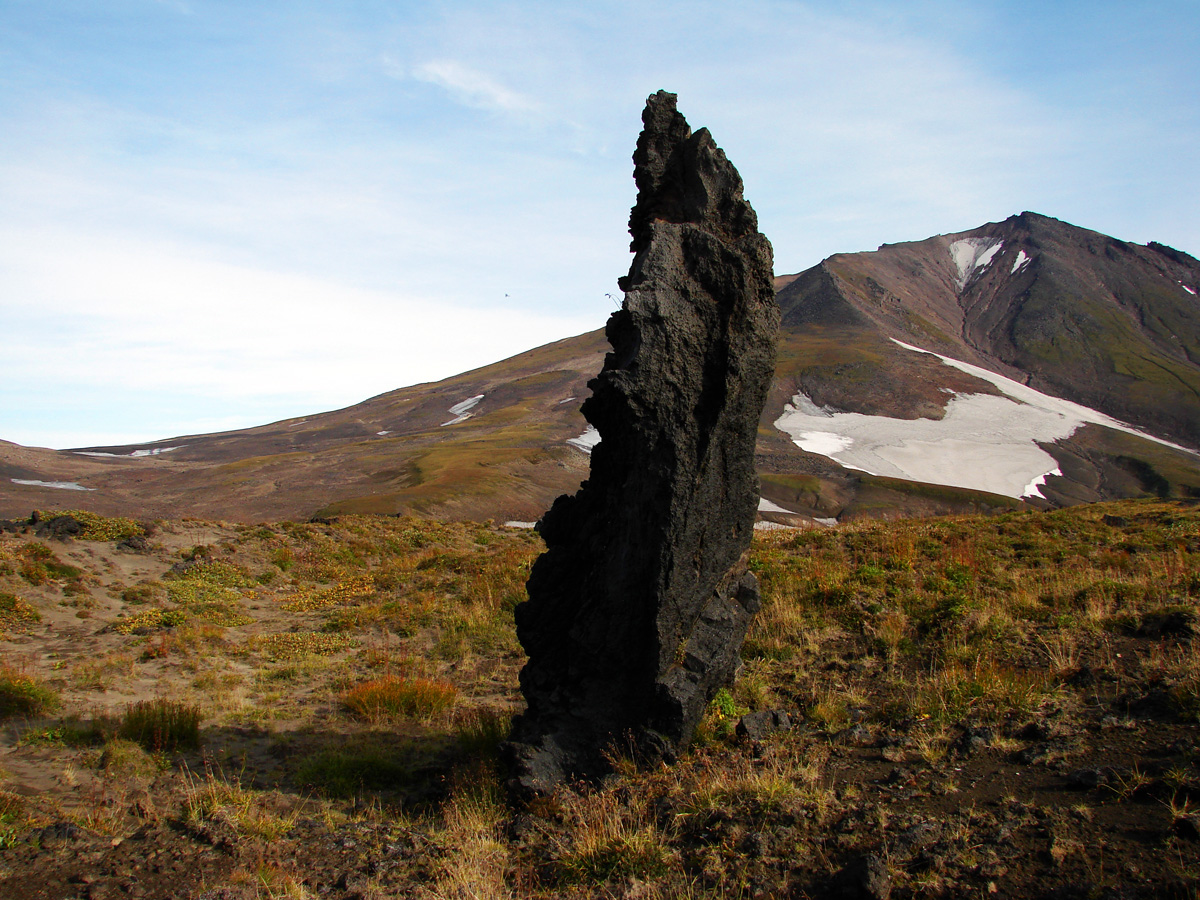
<point x="1004" y="705"/>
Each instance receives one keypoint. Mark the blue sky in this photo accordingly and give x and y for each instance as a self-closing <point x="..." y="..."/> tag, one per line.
<point x="218" y="214"/>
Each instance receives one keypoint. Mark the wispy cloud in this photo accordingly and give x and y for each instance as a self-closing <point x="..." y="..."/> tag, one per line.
<point x="474" y="88"/>
<point x="298" y="184"/>
<point x="130" y="317"/>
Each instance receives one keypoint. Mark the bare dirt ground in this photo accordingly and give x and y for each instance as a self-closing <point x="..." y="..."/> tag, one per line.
<point x="973" y="707"/>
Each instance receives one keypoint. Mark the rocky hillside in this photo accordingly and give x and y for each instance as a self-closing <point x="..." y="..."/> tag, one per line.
<point x="1070" y="313"/>
<point x="1051" y="338"/>
<point x="1074" y="313"/>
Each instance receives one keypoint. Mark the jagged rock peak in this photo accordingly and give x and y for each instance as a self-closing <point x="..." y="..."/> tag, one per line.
<point x="684" y="177"/>
<point x="639" y="605"/>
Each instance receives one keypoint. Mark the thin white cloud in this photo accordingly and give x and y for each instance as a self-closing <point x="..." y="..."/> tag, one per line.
<point x="473" y="88"/>
<point x="130" y="316"/>
<point x="276" y="177"/>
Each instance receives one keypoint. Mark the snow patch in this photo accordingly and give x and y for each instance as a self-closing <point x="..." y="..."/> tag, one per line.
<point x="1034" y="488"/>
<point x="462" y="411"/>
<point x="61" y="485"/>
<point x="984" y="442"/>
<point x="470" y="403"/>
<point x="152" y="451"/>
<point x="1191" y="291"/>
<point x="513" y="523"/>
<point x="771" y="526"/>
<point x="586" y="441"/>
<point x="805" y="405"/>
<point x="765" y="505"/>
<point x="568" y="400"/>
<point x="382" y="433"/>
<point x="826" y="443"/>
<point x="973" y="255"/>
<point x="1020" y="262"/>
<point x="828" y="523"/>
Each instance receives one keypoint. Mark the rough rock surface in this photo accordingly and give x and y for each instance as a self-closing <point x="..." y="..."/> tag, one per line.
<point x="639" y="605"/>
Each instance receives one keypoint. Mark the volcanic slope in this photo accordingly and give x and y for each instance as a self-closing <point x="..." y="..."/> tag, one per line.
<point x="1111" y="325"/>
<point x="490" y="443"/>
<point x="1071" y="315"/>
<point x="1095" y="332"/>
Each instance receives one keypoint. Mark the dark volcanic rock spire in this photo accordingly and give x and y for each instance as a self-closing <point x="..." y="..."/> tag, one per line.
<point x="639" y="605"/>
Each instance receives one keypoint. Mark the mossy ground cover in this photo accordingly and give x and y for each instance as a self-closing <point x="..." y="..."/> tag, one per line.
<point x="963" y="691"/>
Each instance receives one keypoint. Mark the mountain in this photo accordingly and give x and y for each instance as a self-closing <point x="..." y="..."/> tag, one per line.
<point x="1073" y="313"/>
<point x="1069" y="313"/>
<point x="1067" y="370"/>
<point x="490" y="443"/>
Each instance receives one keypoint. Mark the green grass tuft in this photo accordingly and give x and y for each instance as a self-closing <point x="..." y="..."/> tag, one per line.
<point x="162" y="726"/>
<point x="23" y="695"/>
<point x="392" y="698"/>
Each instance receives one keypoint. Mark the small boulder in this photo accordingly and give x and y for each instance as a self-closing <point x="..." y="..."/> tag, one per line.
<point x="1034" y="754"/>
<point x="1086" y="779"/>
<point x="758" y="725"/>
<point x="59" y="833"/>
<point x="135" y="544"/>
<point x="865" y="877"/>
<point x="918" y="837"/>
<point x="1173" y="623"/>
<point x="973" y="739"/>
<point x="60" y="527"/>
<point x="1187" y="826"/>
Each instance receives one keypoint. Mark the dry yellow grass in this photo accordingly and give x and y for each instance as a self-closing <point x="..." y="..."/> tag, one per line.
<point x="883" y="641"/>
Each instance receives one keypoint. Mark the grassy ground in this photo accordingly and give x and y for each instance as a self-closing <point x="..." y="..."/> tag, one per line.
<point x="979" y="706"/>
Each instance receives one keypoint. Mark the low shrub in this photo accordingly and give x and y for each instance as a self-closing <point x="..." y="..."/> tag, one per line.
<point x="723" y="713"/>
<point x="12" y="818"/>
<point x="71" y="733"/>
<point x="23" y="695"/>
<point x="209" y="581"/>
<point x="15" y="613"/>
<point x="216" y="802"/>
<point x="294" y="644"/>
<point x="149" y="620"/>
<point x="391" y="698"/>
<point x="482" y="732"/>
<point x="344" y="772"/>
<point x="96" y="527"/>
<point x="140" y="593"/>
<point x="162" y="726"/>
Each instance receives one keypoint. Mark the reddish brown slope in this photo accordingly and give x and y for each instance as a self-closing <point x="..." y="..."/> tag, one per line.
<point x="1074" y="313"/>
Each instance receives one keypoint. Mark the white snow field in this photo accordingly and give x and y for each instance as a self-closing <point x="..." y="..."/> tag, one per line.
<point x="985" y="443"/>
<point x="587" y="440"/>
<point x="462" y="411"/>
<point x="136" y="454"/>
<point x="972" y="255"/>
<point x="61" y="485"/>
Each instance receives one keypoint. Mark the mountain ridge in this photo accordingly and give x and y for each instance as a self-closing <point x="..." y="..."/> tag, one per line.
<point x="1011" y="314"/>
<point x="1069" y="312"/>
